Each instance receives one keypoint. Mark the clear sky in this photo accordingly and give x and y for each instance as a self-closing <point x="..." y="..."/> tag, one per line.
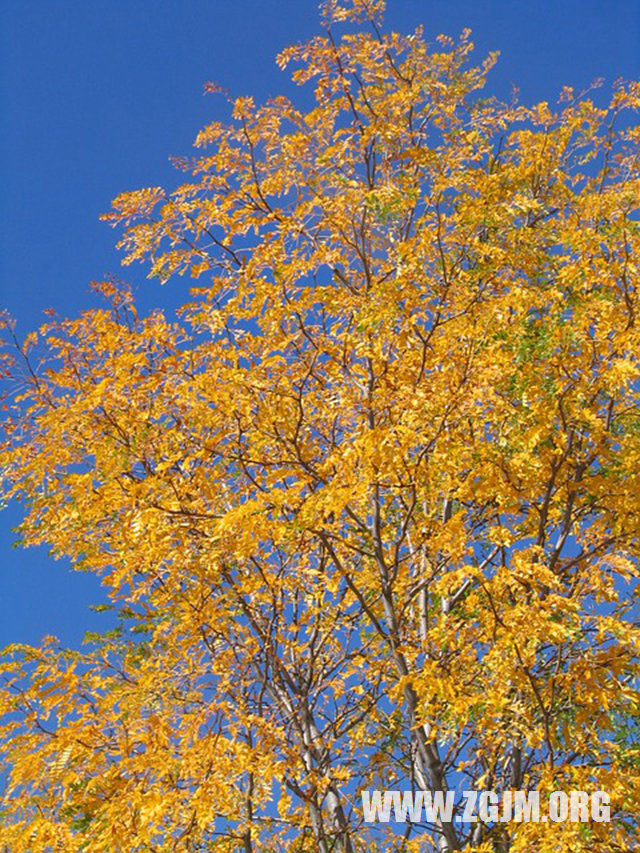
<point x="95" y="96"/>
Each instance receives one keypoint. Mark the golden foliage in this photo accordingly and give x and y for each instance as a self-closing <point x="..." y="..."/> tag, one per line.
<point x="369" y="507"/>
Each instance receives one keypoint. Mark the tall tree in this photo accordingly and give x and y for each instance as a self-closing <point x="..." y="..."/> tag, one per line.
<point x="368" y="508"/>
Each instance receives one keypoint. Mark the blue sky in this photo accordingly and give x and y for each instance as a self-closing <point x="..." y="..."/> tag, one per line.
<point x="95" y="96"/>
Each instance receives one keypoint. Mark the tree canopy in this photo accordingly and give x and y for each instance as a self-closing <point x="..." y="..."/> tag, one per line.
<point x="367" y="508"/>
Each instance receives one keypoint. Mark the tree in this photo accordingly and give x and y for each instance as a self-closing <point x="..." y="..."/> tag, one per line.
<point x="367" y="509"/>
